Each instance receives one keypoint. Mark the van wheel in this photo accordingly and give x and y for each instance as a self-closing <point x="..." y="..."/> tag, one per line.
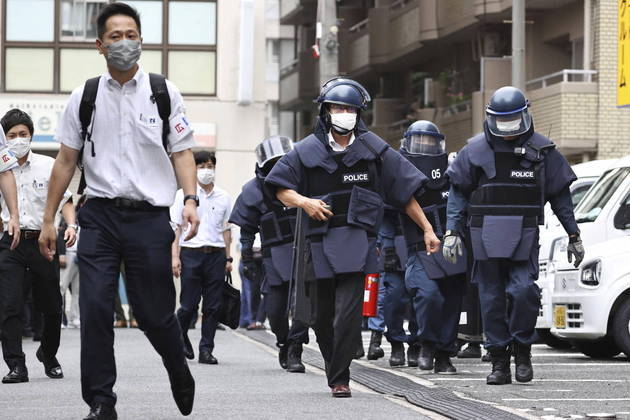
<point x="604" y="348"/>
<point x="621" y="326"/>
<point x="551" y="340"/>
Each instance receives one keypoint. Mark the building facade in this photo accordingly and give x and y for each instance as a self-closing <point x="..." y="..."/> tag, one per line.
<point x="442" y="59"/>
<point x="222" y="54"/>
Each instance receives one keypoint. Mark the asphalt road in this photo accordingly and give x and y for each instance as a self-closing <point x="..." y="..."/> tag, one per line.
<point x="247" y="384"/>
<point x="566" y="383"/>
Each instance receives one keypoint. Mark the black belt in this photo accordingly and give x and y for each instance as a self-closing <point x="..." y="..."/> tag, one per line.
<point x="205" y="249"/>
<point x="127" y="203"/>
<point x="29" y="234"/>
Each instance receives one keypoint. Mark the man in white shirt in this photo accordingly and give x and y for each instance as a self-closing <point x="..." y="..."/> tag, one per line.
<point x="131" y="184"/>
<point x="204" y="259"/>
<point x="32" y="176"/>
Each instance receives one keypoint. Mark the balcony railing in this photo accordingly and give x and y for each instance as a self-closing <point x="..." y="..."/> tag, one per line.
<point x="566" y="75"/>
<point x="359" y="26"/>
<point x="289" y="67"/>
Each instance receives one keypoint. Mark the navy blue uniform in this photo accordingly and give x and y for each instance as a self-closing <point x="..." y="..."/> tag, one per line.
<point x="254" y="212"/>
<point x="355" y="183"/>
<point x="502" y="186"/>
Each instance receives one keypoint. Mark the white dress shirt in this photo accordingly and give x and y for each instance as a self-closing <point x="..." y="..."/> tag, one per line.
<point x="130" y="160"/>
<point x="8" y="161"/>
<point x="31" y="180"/>
<point x="214" y="211"/>
<point x="336" y="146"/>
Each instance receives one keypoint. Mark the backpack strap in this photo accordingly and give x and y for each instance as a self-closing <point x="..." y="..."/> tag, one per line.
<point x="86" y="116"/>
<point x="163" y="101"/>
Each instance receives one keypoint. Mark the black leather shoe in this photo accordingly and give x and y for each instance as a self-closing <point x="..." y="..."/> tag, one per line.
<point x="183" y="388"/>
<point x="360" y="351"/>
<point x="472" y="351"/>
<point x="523" y="361"/>
<point x="427" y="356"/>
<point x="189" y="353"/>
<point x="52" y="368"/>
<point x="413" y="352"/>
<point x="16" y="375"/>
<point x="397" y="358"/>
<point x="283" y="350"/>
<point x="443" y="364"/>
<point x="294" y="361"/>
<point x="207" y="358"/>
<point x="100" y="411"/>
<point x="501" y="373"/>
<point x="375" y="351"/>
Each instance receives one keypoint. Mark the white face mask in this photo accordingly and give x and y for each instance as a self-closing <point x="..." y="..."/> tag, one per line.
<point x="509" y="126"/>
<point x="20" y="146"/>
<point x="205" y="176"/>
<point x="344" y="122"/>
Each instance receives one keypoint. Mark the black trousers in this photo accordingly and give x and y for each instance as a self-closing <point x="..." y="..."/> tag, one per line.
<point x="43" y="277"/>
<point x="141" y="239"/>
<point x="276" y="302"/>
<point x="338" y="323"/>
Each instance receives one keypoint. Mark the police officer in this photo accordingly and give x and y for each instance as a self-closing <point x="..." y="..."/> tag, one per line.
<point x="435" y="285"/>
<point x="255" y="211"/>
<point x="504" y="177"/>
<point x="396" y="299"/>
<point x="341" y="175"/>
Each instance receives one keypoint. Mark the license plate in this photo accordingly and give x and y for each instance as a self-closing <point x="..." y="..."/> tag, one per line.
<point x="560" y="316"/>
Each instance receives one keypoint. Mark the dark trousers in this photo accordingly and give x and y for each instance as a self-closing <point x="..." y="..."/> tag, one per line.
<point x="202" y="276"/>
<point x="141" y="239"/>
<point x="277" y="301"/>
<point x="396" y="302"/>
<point x="44" y="277"/>
<point x="338" y="323"/>
<point x="510" y="300"/>
<point x="437" y="304"/>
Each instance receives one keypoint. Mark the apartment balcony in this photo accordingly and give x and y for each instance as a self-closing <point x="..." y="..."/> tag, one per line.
<point x="297" y="12"/>
<point x="299" y="82"/>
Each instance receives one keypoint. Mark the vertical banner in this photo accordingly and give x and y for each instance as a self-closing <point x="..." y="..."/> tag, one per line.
<point x="623" y="53"/>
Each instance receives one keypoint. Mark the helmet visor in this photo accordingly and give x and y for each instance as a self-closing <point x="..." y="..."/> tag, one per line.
<point x="272" y="148"/>
<point x="424" y="144"/>
<point x="510" y="124"/>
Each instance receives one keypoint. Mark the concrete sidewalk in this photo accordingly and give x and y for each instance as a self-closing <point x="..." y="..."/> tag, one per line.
<point x="248" y="383"/>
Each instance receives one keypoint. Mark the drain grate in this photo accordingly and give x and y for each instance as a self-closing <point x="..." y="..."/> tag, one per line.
<point x="438" y="400"/>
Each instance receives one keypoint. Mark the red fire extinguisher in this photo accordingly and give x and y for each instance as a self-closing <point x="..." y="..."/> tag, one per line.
<point x="370" y="295"/>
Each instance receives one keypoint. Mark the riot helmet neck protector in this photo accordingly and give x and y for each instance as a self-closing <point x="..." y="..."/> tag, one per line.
<point x="507" y="114"/>
<point x="424" y="138"/>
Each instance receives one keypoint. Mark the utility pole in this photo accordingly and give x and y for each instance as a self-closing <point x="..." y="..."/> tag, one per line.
<point x="326" y="33"/>
<point x="518" y="44"/>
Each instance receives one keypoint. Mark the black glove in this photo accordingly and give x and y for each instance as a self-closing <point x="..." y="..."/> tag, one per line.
<point x="575" y="249"/>
<point x="391" y="262"/>
<point x="250" y="268"/>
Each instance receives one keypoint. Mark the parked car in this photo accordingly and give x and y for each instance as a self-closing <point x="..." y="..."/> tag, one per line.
<point x="587" y="174"/>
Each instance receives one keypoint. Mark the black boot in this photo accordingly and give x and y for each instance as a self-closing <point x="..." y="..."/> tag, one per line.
<point x="397" y="357"/>
<point x="283" y="350"/>
<point x="375" y="351"/>
<point x="443" y="363"/>
<point x="523" y="361"/>
<point x="427" y="356"/>
<point x="360" y="351"/>
<point x="413" y="352"/>
<point x="501" y="373"/>
<point x="294" y="359"/>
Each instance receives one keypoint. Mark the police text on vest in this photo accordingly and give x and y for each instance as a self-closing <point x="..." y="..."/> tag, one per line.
<point x="521" y="174"/>
<point x="352" y="178"/>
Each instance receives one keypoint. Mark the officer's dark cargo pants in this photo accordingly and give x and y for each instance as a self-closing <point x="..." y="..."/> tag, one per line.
<point x="142" y="240"/>
<point x="338" y="323"/>
<point x="276" y="302"/>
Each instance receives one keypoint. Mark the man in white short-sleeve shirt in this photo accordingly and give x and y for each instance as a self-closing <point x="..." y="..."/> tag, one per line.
<point x="131" y="184"/>
<point x="204" y="259"/>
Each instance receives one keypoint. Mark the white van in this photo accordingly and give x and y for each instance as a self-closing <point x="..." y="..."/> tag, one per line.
<point x="587" y="173"/>
<point x="591" y="305"/>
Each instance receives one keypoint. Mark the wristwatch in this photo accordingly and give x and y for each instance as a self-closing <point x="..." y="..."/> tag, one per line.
<point x="230" y="259"/>
<point x="75" y="227"/>
<point x="191" y="197"/>
<point x="451" y="233"/>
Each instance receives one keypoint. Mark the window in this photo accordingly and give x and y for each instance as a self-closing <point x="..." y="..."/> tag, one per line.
<point x="598" y="196"/>
<point x="48" y="52"/>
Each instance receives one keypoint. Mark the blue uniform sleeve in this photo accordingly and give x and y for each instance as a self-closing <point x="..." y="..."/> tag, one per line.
<point x="401" y="179"/>
<point x="456" y="210"/>
<point x="562" y="206"/>
<point x="288" y="173"/>
<point x="462" y="174"/>
<point x="558" y="174"/>
<point x="245" y="216"/>
<point x="247" y="240"/>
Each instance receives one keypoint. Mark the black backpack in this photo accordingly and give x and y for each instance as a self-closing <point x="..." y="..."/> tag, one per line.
<point x="159" y="96"/>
